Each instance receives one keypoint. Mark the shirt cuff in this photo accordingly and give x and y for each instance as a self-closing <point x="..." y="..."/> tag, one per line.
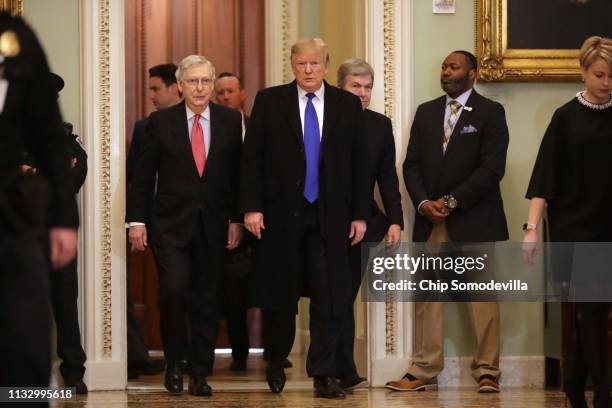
<point x="419" y="206"/>
<point x="133" y="224"/>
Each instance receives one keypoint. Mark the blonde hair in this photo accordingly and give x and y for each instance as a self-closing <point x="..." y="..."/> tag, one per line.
<point x="594" y="48"/>
<point x="306" y="43"/>
<point x="191" y="61"/>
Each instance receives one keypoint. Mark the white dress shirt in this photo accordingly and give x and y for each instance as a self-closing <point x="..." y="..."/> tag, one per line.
<point x="317" y="101"/>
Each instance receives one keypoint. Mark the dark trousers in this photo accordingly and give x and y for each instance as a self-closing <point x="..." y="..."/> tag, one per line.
<point x="592" y="349"/>
<point x="137" y="351"/>
<point x="377" y="228"/>
<point x="234" y="283"/>
<point x="279" y="327"/>
<point x="188" y="289"/>
<point x="64" y="294"/>
<point x="25" y="314"/>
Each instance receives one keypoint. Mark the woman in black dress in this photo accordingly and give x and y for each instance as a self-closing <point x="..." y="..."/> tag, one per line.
<point x="572" y="178"/>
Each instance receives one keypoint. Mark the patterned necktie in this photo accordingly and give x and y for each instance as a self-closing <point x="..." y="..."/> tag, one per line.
<point x="312" y="142"/>
<point x="197" y="144"/>
<point x="450" y="123"/>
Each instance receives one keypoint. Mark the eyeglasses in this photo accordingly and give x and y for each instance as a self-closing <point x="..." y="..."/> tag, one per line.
<point x="301" y="66"/>
<point x="194" y="82"/>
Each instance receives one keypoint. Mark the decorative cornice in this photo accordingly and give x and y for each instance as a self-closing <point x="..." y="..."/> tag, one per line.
<point x="105" y="175"/>
<point x="389" y="85"/>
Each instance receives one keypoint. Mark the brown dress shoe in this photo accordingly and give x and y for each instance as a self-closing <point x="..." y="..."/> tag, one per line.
<point x="488" y="384"/>
<point x="409" y="383"/>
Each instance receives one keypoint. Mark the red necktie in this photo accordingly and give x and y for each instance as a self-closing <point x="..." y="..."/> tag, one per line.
<point x="197" y="144"/>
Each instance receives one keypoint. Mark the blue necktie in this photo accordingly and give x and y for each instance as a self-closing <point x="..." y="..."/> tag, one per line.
<point x="312" y="142"/>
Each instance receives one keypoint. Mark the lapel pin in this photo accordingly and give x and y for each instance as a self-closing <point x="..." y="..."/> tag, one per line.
<point x="468" y="108"/>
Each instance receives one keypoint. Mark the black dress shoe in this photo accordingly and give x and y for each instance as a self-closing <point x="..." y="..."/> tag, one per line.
<point x="574" y="392"/>
<point x="198" y="386"/>
<point x="328" y="387"/>
<point x="287" y="363"/>
<point x="238" y="365"/>
<point x="78" y="384"/>
<point x="275" y="375"/>
<point x="173" y="380"/>
<point x="352" y="381"/>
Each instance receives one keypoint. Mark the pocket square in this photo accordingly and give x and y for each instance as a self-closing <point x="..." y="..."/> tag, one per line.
<point x="468" y="129"/>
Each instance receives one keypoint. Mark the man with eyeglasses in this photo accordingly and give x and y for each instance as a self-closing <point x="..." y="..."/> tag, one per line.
<point x="194" y="148"/>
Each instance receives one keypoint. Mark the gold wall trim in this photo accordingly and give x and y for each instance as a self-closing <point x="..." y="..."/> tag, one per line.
<point x="498" y="63"/>
<point x="14" y="6"/>
<point x="286" y="41"/>
<point x="105" y="175"/>
<point x="389" y="85"/>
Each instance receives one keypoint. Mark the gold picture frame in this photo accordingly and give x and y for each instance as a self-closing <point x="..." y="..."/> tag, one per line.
<point x="14" y="6"/>
<point x="498" y="63"/>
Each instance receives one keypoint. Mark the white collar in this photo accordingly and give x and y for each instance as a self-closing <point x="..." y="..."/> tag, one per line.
<point x="205" y="114"/>
<point x="462" y="99"/>
<point x="319" y="93"/>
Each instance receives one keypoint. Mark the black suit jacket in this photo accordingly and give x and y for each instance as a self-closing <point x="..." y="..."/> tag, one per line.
<point x="272" y="182"/>
<point x="471" y="169"/>
<point x="31" y="125"/>
<point x="181" y="193"/>
<point x="76" y="151"/>
<point x="136" y="146"/>
<point x="381" y="158"/>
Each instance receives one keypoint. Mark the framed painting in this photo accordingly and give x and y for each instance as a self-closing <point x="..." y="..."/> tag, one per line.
<point x="14" y="6"/>
<point x="527" y="40"/>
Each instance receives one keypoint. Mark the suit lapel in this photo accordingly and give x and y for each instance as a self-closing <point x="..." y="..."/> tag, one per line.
<point x="291" y="107"/>
<point x="214" y="137"/>
<point x="180" y="131"/>
<point x="330" y="113"/>
<point x="438" y="135"/>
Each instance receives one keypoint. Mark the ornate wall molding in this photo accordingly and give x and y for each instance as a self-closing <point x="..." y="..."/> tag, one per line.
<point x="388" y="46"/>
<point x="287" y="39"/>
<point x="281" y="32"/>
<point x="105" y="247"/>
<point x="103" y="210"/>
<point x="389" y="85"/>
<point x="14" y="6"/>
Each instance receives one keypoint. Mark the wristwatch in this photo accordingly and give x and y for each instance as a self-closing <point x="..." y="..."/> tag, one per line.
<point x="528" y="226"/>
<point x="450" y="202"/>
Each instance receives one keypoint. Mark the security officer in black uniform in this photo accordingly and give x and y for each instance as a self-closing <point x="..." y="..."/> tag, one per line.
<point x="64" y="281"/>
<point x="33" y="206"/>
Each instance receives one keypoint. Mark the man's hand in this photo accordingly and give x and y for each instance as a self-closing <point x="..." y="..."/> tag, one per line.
<point x="28" y="169"/>
<point x="138" y="237"/>
<point x="73" y="162"/>
<point x="63" y="246"/>
<point x="358" y="229"/>
<point x="394" y="234"/>
<point x="234" y="234"/>
<point x="435" y="211"/>
<point x="254" y="222"/>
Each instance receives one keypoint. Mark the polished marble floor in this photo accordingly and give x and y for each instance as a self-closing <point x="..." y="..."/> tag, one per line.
<point x="250" y="390"/>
